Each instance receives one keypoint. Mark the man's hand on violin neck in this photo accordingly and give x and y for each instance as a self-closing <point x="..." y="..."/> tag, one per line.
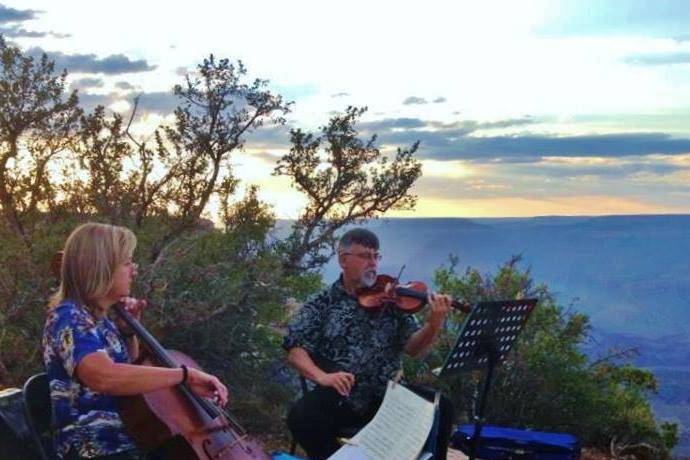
<point x="342" y="382"/>
<point x="440" y="306"/>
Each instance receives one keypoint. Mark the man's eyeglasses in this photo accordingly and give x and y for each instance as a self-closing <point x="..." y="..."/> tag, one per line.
<point x="364" y="255"/>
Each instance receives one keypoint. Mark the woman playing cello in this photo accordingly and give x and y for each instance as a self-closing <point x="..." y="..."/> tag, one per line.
<point x="88" y="357"/>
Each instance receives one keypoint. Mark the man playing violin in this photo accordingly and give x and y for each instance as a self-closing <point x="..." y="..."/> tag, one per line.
<point x="351" y="353"/>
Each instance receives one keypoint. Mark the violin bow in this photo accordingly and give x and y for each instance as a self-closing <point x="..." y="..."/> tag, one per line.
<point x="397" y="278"/>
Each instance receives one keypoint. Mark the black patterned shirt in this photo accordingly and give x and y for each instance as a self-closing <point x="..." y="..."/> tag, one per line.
<point x="339" y="335"/>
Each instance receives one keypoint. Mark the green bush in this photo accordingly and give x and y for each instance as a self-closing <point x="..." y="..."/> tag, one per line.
<point x="548" y="383"/>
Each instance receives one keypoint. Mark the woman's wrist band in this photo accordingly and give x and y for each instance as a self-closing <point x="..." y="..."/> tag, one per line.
<point x="185" y="374"/>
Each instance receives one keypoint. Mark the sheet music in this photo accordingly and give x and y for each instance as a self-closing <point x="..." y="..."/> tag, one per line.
<point x="350" y="452"/>
<point x="398" y="431"/>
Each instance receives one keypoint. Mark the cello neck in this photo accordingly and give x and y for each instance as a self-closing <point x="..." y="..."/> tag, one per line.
<point x="145" y="336"/>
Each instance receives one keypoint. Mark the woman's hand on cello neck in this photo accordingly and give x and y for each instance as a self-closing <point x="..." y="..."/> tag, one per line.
<point x="134" y="307"/>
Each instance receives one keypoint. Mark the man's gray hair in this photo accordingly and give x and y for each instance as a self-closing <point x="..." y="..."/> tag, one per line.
<point x="360" y="236"/>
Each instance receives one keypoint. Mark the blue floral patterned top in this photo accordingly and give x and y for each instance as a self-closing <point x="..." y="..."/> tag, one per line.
<point x="339" y="335"/>
<point x="83" y="419"/>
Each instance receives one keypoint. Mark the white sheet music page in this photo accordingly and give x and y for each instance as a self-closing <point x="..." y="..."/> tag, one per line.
<point x="398" y="431"/>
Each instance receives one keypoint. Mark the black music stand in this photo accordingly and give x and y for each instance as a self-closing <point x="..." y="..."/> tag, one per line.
<point x="486" y="338"/>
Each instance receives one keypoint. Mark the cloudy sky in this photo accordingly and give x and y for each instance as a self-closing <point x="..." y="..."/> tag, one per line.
<point x="553" y="107"/>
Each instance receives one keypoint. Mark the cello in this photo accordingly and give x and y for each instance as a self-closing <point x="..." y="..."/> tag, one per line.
<point x="174" y="421"/>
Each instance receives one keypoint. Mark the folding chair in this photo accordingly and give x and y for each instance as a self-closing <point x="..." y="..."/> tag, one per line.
<point x="38" y="414"/>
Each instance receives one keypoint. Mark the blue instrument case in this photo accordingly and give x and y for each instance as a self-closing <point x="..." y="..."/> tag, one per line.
<point x="499" y="443"/>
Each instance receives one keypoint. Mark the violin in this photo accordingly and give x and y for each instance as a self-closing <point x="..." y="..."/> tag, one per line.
<point x="407" y="298"/>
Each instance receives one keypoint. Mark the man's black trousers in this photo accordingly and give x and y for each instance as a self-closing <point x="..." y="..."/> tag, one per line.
<point x="322" y="414"/>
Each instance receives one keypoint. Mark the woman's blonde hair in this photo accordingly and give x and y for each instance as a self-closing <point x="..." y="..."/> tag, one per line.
<point x="91" y="255"/>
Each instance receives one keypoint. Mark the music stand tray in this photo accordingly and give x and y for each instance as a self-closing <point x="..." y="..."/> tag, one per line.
<point x="486" y="338"/>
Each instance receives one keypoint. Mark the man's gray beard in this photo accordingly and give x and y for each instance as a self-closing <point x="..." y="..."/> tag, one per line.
<point x="369" y="279"/>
